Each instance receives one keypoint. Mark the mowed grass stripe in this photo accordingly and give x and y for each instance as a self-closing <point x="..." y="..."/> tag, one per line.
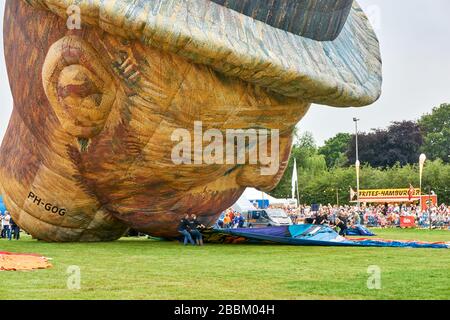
<point x="146" y="269"/>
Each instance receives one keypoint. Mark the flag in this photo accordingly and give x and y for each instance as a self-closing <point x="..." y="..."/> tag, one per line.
<point x="411" y="192"/>
<point x="294" y="180"/>
<point x="353" y="195"/>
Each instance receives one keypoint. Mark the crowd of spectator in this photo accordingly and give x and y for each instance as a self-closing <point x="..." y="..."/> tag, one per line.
<point x="384" y="216"/>
<point x="231" y="219"/>
<point x="346" y="216"/>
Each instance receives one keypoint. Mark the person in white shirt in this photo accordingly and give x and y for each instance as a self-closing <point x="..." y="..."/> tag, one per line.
<point x="6" y="221"/>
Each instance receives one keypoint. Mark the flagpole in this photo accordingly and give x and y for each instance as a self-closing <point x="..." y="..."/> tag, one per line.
<point x="298" y="196"/>
<point x="294" y="184"/>
<point x="422" y="160"/>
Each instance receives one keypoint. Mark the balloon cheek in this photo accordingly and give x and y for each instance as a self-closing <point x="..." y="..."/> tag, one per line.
<point x="78" y="87"/>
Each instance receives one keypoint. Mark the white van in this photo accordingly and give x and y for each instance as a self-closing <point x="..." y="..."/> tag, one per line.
<point x="267" y="218"/>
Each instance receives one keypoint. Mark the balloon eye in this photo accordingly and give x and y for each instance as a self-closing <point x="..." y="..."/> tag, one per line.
<point x="320" y="20"/>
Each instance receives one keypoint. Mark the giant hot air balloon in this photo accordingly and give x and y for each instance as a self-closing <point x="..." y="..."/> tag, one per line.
<point x="104" y="91"/>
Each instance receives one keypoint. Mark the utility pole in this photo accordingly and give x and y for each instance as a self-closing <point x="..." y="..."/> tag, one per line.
<point x="422" y="160"/>
<point x="357" y="163"/>
<point x="429" y="207"/>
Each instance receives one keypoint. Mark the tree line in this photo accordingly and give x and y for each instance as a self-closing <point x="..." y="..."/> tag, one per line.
<point x="389" y="159"/>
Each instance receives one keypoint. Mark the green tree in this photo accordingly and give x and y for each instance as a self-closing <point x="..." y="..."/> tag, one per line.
<point x="326" y="185"/>
<point x="305" y="141"/>
<point x="319" y="183"/>
<point x="303" y="149"/>
<point x="335" y="150"/>
<point x="400" y="142"/>
<point x="436" y="132"/>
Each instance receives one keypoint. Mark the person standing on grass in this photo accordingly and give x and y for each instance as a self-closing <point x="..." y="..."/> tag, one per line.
<point x="7" y="225"/>
<point x="342" y="222"/>
<point x="196" y="226"/>
<point x="227" y="221"/>
<point x="231" y="215"/>
<point x="240" y="221"/>
<point x="2" y="234"/>
<point x="184" y="228"/>
<point x="15" y="229"/>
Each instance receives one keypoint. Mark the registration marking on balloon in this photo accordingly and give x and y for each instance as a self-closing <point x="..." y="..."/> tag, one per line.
<point x="46" y="205"/>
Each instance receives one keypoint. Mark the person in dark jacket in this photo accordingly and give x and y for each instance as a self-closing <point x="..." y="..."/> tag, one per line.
<point x="196" y="226"/>
<point x="342" y="225"/>
<point x="321" y="218"/>
<point x="15" y="229"/>
<point x="239" y="221"/>
<point x="185" y="228"/>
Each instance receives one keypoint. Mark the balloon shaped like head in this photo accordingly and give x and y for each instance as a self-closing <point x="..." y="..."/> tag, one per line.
<point x="130" y="114"/>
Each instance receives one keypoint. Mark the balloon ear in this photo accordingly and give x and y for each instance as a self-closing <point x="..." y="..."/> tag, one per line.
<point x="78" y="87"/>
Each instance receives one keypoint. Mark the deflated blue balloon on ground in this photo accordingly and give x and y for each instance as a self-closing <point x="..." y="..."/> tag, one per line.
<point x="313" y="235"/>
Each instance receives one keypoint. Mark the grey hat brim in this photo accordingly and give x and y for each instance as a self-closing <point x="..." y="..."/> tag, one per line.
<point x="321" y="20"/>
<point x="346" y="72"/>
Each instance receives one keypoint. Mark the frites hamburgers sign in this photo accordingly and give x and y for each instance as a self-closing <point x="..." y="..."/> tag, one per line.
<point x="387" y="195"/>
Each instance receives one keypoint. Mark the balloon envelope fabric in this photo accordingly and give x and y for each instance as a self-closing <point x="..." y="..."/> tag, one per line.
<point x="22" y="262"/>
<point x="101" y="95"/>
<point x="313" y="235"/>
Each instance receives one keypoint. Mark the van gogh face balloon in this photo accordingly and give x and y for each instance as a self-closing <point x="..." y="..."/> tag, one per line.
<point x="130" y="114"/>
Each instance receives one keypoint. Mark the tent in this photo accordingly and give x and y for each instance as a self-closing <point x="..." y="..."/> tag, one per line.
<point x="243" y="205"/>
<point x="263" y="199"/>
<point x="310" y="235"/>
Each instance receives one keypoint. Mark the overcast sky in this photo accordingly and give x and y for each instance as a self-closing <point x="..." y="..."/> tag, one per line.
<point x="415" y="44"/>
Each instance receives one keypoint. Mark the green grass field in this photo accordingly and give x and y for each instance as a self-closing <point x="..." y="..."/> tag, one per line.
<point x="146" y="269"/>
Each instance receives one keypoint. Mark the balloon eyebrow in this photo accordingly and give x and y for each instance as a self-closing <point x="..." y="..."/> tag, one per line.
<point x="320" y="20"/>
